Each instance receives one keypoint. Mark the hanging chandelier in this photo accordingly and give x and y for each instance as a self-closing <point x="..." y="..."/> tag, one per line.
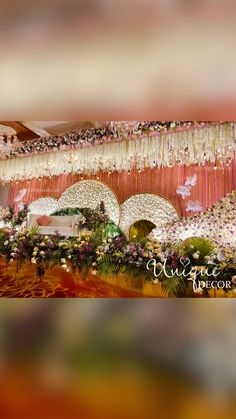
<point x="124" y="129"/>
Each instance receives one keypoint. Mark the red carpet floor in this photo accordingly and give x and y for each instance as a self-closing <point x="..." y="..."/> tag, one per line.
<point x="56" y="284"/>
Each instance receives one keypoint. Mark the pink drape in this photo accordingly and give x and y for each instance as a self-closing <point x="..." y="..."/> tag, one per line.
<point x="211" y="186"/>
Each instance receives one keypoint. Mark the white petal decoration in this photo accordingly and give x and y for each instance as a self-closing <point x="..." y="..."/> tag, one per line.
<point x="191" y="180"/>
<point x="89" y="194"/>
<point x="194" y="206"/>
<point x="184" y="191"/>
<point x="20" y="195"/>
<point x="44" y="206"/>
<point x="148" y="207"/>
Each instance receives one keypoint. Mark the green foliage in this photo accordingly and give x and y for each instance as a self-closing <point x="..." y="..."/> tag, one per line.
<point x="173" y="286"/>
<point x="55" y="257"/>
<point x="200" y="245"/>
<point x="108" y="231"/>
<point x="34" y="230"/>
<point x="2" y="240"/>
<point x="21" y="217"/>
<point x="105" y="250"/>
<point x="107" y="267"/>
<point x="68" y="211"/>
<point x="137" y="271"/>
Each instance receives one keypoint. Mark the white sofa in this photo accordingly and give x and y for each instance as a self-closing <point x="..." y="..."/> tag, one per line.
<point x="65" y="225"/>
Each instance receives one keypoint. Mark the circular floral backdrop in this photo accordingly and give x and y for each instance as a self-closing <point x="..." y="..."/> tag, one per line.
<point x="89" y="194"/>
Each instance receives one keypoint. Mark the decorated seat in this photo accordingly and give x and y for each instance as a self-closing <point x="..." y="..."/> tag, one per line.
<point x="64" y="225"/>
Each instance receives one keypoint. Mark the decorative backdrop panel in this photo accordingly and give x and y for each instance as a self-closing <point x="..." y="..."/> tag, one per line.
<point x="213" y="183"/>
<point x="90" y="193"/>
<point x="149" y="207"/>
<point x="44" y="206"/>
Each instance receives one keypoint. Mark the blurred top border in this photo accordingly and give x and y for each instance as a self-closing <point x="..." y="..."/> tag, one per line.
<point x="126" y="60"/>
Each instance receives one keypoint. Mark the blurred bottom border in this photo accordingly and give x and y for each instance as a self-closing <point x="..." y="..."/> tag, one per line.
<point x="117" y="358"/>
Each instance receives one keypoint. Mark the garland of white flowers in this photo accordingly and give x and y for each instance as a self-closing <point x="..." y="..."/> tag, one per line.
<point x="95" y="136"/>
<point x="214" y="143"/>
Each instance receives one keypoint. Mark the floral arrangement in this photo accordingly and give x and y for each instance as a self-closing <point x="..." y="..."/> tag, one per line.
<point x="47" y="251"/>
<point x="120" y="256"/>
<point x="218" y="224"/>
<point x="3" y="212"/>
<point x="92" y="219"/>
<point x="6" y="214"/>
<point x="102" y="249"/>
<point x="181" y="146"/>
<point x="15" y="219"/>
<point x="89" y="219"/>
<point x="176" y="266"/>
<point x="93" y="136"/>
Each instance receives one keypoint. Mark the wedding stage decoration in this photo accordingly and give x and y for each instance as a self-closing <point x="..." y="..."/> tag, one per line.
<point x="15" y="219"/>
<point x="98" y="252"/>
<point x="44" y="206"/>
<point x="119" y="182"/>
<point x="214" y="181"/>
<point x="89" y="194"/>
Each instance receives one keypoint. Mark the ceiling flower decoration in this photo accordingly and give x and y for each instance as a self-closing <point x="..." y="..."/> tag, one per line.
<point x="116" y="130"/>
<point x="214" y="143"/>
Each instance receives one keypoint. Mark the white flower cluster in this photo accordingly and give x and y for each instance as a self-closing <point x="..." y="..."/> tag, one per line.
<point x="185" y="190"/>
<point x="218" y="224"/>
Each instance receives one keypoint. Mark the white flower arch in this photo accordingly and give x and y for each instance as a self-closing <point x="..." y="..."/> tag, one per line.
<point x="147" y="206"/>
<point x="44" y="206"/>
<point x="90" y="193"/>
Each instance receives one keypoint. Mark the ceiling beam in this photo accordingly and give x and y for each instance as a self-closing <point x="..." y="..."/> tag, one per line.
<point x="23" y="133"/>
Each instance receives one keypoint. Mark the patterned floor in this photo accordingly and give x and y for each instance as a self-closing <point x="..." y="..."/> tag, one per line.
<point x="56" y="284"/>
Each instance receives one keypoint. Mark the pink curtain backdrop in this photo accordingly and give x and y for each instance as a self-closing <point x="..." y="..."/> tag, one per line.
<point x="211" y="186"/>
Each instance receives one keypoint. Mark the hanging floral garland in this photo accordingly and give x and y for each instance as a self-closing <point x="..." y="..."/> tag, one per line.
<point x="94" y="136"/>
<point x="213" y="143"/>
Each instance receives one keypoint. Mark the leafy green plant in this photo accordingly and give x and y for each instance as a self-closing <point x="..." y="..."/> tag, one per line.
<point x="108" y="230"/>
<point x="173" y="286"/>
<point x="107" y="266"/>
<point x="68" y="211"/>
<point x="197" y="248"/>
<point x="33" y="231"/>
<point x="2" y="240"/>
